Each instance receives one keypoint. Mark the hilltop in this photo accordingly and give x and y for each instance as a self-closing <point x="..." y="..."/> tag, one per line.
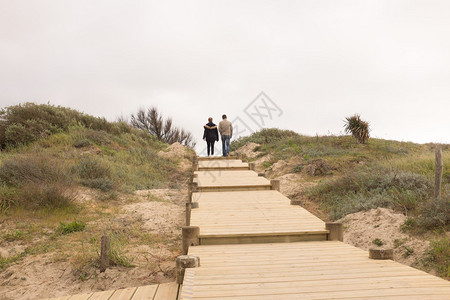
<point x="67" y="179"/>
<point x="382" y="190"/>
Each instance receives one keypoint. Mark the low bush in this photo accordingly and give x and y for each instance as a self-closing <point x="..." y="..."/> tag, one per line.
<point x="25" y="123"/>
<point x="103" y="184"/>
<point x="34" y="181"/>
<point x="434" y="213"/>
<point x="21" y="169"/>
<point x="93" y="168"/>
<point x="265" y="136"/>
<point x="368" y="188"/>
<point x="81" y="143"/>
<point x="74" y="226"/>
<point x="438" y="257"/>
<point x="43" y="195"/>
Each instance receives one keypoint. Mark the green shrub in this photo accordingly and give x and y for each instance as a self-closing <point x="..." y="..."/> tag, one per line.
<point x="435" y="213"/>
<point x="368" y="188"/>
<point x="24" y="123"/>
<point x="297" y="169"/>
<point x="438" y="257"/>
<point x="103" y="184"/>
<point x="13" y="236"/>
<point x="378" y="242"/>
<point x="409" y="224"/>
<point x="74" y="226"/>
<point x="43" y="195"/>
<point x="408" y="251"/>
<point x="81" y="143"/>
<point x="265" y="136"/>
<point x="92" y="168"/>
<point x="35" y="167"/>
<point x="7" y="198"/>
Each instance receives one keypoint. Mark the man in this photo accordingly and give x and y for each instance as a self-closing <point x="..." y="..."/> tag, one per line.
<point x="210" y="135"/>
<point x="226" y="132"/>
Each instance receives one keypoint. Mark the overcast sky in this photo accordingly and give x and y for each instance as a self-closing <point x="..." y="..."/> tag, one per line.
<point x="316" y="61"/>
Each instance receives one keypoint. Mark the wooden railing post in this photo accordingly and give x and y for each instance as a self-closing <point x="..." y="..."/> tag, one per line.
<point x="190" y="237"/>
<point x="182" y="263"/>
<point x="381" y="253"/>
<point x="336" y="231"/>
<point x="275" y="184"/>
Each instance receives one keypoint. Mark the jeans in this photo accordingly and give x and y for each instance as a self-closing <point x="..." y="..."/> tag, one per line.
<point x="225" y="145"/>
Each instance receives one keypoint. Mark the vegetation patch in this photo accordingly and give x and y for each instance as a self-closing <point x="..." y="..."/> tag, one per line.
<point x="74" y="226"/>
<point x="378" y="242"/>
<point x="438" y="257"/>
<point x="367" y="188"/>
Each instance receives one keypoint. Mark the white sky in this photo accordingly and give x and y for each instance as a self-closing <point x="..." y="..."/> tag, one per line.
<point x="318" y="61"/>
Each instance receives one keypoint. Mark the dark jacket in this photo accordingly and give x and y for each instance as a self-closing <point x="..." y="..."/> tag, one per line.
<point x="211" y="134"/>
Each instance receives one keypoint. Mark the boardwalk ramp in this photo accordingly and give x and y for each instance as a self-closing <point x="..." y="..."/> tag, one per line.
<point x="253" y="244"/>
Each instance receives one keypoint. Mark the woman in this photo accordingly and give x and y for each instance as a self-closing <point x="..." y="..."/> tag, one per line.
<point x="211" y="135"/>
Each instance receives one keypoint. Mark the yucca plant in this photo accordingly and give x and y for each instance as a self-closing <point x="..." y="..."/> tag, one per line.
<point x="358" y="128"/>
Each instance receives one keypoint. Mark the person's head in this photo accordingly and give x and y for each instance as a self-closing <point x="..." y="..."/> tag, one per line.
<point x="210" y="119"/>
<point x="224" y="117"/>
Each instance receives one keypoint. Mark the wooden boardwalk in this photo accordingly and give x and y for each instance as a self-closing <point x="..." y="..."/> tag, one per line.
<point x="164" y="291"/>
<point x="223" y="164"/>
<point x="230" y="180"/>
<point x="252" y="244"/>
<point x="253" y="216"/>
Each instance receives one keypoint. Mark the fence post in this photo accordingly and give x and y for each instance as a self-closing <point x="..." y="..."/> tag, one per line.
<point x="104" y="253"/>
<point x="438" y="172"/>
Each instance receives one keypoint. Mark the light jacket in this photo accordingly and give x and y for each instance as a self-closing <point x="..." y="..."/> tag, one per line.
<point x="225" y="128"/>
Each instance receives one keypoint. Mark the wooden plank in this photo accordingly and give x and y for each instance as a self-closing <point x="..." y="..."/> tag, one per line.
<point x="167" y="291"/>
<point x="201" y="158"/>
<point x="123" y="294"/>
<point x="145" y="292"/>
<point x="58" y="298"/>
<point x="81" y="296"/>
<point x="303" y="271"/>
<point x="105" y="295"/>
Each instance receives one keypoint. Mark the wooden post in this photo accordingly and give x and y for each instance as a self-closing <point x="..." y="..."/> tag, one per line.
<point x="192" y="187"/>
<point x="438" y="173"/>
<point x="190" y="237"/>
<point x="183" y="262"/>
<point x="251" y="166"/>
<point x="194" y="205"/>
<point x="188" y="213"/>
<point x="296" y="202"/>
<point x="336" y="231"/>
<point x="381" y="253"/>
<point x="104" y="253"/>
<point x="262" y="174"/>
<point x="275" y="184"/>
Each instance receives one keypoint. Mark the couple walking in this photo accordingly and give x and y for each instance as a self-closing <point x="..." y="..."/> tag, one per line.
<point x="211" y="135"/>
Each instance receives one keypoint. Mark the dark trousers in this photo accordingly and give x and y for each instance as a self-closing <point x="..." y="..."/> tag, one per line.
<point x="210" y="146"/>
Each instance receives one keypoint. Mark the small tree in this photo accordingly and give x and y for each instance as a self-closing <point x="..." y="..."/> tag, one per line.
<point x="358" y="128"/>
<point x="163" y="129"/>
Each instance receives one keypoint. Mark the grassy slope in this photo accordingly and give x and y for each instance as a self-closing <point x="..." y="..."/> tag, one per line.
<point x="41" y="183"/>
<point x="353" y="177"/>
